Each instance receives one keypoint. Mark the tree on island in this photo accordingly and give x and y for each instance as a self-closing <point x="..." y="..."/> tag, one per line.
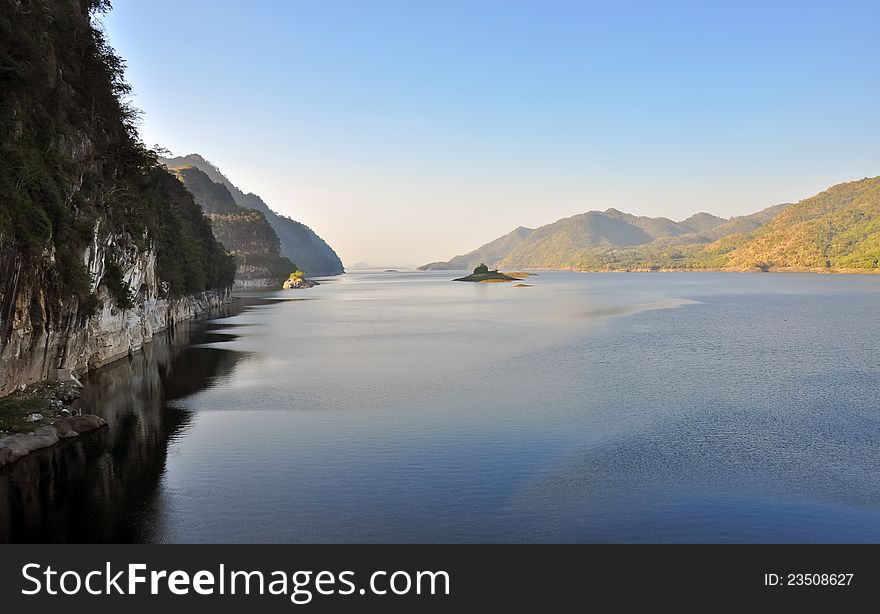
<point x="482" y="269"/>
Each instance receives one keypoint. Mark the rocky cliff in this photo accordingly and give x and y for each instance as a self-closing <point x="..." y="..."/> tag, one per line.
<point x="245" y="233"/>
<point x="100" y="246"/>
<point x="298" y="242"/>
<point x="45" y="332"/>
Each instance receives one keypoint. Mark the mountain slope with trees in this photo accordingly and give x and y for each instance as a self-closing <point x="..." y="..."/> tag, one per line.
<point x="245" y="233"/>
<point x="298" y="242"/>
<point x="836" y="230"/>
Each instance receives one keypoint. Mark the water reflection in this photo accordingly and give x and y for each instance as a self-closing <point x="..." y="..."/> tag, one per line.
<point x="103" y="486"/>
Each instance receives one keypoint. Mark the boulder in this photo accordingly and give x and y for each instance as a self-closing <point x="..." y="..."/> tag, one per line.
<point x="79" y="424"/>
<point x="15" y="446"/>
<point x="45" y="436"/>
<point x="65" y="429"/>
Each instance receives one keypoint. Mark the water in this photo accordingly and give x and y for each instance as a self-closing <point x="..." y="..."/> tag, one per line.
<point x="386" y="407"/>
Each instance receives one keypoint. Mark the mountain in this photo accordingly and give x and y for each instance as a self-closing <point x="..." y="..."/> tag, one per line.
<point x="836" y="230"/>
<point x="569" y="241"/>
<point x="298" y="241"/>
<point x="609" y="239"/>
<point x="701" y="222"/>
<point x="563" y="242"/>
<point x="213" y="198"/>
<point x="741" y="224"/>
<point x="245" y="233"/>
<point x="696" y="250"/>
<point x="99" y="245"/>
<point x="490" y="252"/>
<point x="653" y="227"/>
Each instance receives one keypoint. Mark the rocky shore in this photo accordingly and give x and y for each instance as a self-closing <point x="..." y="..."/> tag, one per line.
<point x="41" y="415"/>
<point x="39" y="345"/>
<point x="15" y="446"/>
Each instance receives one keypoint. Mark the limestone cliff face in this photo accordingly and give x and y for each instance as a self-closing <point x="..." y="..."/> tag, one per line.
<point x="45" y="332"/>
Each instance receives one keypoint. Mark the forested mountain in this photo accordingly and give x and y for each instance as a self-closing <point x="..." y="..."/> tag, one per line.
<point x="607" y="239"/>
<point x="838" y="229"/>
<point x="697" y="250"/>
<point x="559" y="244"/>
<point x="298" y="242"/>
<point x="245" y="233"/>
<point x="572" y="240"/>
<point x="701" y="222"/>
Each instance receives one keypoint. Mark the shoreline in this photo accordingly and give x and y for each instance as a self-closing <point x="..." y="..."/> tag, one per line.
<point x="106" y="336"/>
<point x="815" y="270"/>
<point x="17" y="445"/>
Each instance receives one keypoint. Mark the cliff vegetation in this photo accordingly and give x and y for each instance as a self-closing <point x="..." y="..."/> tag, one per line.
<point x="245" y="233"/>
<point x="96" y="237"/>
<point x="299" y="243"/>
<point x="74" y="170"/>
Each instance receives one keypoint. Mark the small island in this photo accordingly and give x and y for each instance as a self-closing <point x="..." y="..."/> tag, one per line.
<point x="482" y="273"/>
<point x="298" y="281"/>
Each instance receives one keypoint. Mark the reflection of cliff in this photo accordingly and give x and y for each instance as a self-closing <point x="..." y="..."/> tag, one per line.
<point x="100" y="488"/>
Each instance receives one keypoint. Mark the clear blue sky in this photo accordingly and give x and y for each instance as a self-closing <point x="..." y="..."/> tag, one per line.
<point x="410" y="131"/>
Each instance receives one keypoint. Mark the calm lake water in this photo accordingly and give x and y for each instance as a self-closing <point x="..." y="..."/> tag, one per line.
<point x="401" y="407"/>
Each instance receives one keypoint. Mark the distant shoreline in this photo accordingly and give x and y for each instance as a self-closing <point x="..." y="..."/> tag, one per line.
<point x="816" y="270"/>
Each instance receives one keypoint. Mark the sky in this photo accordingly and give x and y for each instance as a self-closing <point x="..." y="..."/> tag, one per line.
<point x="405" y="132"/>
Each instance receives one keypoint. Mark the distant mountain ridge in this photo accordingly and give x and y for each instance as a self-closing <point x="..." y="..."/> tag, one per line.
<point x="836" y="230"/>
<point x="565" y="241"/>
<point x="694" y="250"/>
<point x="701" y="222"/>
<point x="298" y="242"/>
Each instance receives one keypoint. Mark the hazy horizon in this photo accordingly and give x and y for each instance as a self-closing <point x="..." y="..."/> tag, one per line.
<point x="414" y="133"/>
